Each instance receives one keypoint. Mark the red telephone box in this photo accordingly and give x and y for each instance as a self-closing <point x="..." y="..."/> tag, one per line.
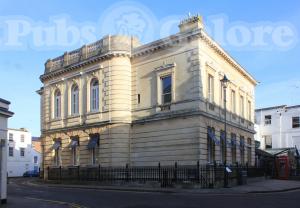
<point x="283" y="167"/>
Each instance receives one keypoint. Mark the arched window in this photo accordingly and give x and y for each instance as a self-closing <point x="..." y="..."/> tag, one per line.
<point x="75" y="100"/>
<point x="94" y="94"/>
<point x="57" y="104"/>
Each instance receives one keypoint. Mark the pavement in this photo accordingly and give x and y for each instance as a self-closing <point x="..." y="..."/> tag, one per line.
<point x="261" y="186"/>
<point x="24" y="202"/>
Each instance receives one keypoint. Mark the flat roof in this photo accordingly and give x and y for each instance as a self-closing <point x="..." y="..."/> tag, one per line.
<point x="4" y="101"/>
<point x="20" y="129"/>
<point x="5" y="112"/>
<point x="279" y="106"/>
<point x="271" y="108"/>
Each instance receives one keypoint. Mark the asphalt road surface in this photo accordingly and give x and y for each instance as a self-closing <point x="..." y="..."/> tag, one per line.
<point x="22" y="195"/>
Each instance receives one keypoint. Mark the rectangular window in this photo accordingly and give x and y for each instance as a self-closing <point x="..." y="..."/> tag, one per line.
<point x="95" y="96"/>
<point x="11" y="151"/>
<point x="233" y="148"/>
<point x="74" y="144"/>
<point x="75" y="101"/>
<point x="35" y="159"/>
<point x="249" y="143"/>
<point x="296" y="122"/>
<point x="74" y="156"/>
<point x="166" y="89"/>
<point x="210" y="145"/>
<point x="22" y="152"/>
<point x="268" y="119"/>
<point x="22" y="137"/>
<point x="210" y="89"/>
<point x="249" y="111"/>
<point x="57" y="157"/>
<point x="268" y="141"/>
<point x="93" y="145"/>
<point x="223" y="147"/>
<point x="57" y="106"/>
<point x="233" y="102"/>
<point x="93" y="156"/>
<point x="242" y="107"/>
<point x="11" y="137"/>
<point x="222" y="96"/>
<point x="242" y="150"/>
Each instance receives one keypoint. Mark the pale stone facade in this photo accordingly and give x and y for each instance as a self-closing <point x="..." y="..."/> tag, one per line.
<point x="134" y="122"/>
<point x="4" y="115"/>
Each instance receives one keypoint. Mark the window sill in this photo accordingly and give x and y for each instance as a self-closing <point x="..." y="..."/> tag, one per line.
<point x="93" y="112"/>
<point x="73" y="166"/>
<point x="165" y="107"/>
<point x="55" y="166"/>
<point x="56" y="119"/>
<point x="211" y="106"/>
<point x="74" y="116"/>
<point x="210" y="163"/>
<point x="92" y="166"/>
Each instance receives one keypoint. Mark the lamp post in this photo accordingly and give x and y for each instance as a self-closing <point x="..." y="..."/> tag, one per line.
<point x="225" y="81"/>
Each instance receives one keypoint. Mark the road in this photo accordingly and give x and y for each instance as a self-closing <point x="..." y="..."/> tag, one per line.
<point x="22" y="195"/>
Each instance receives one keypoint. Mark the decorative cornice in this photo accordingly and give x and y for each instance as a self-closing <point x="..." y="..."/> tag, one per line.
<point x="174" y="40"/>
<point x="164" y="43"/>
<point x="164" y="67"/>
<point x="187" y="113"/>
<point x="5" y="112"/>
<point x="4" y="101"/>
<point x="226" y="56"/>
<point x="78" y="127"/>
<point x="161" y="44"/>
<point x="91" y="60"/>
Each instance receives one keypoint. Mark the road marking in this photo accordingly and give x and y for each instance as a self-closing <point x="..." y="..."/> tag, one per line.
<point x="73" y="205"/>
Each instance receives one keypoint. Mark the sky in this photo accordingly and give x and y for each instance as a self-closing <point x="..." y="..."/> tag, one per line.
<point x="263" y="36"/>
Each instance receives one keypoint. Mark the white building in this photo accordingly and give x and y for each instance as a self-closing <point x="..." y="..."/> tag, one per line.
<point x="278" y="127"/>
<point x="20" y="153"/>
<point x="4" y="115"/>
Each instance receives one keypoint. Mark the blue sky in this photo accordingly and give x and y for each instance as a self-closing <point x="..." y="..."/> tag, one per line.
<point x="276" y="68"/>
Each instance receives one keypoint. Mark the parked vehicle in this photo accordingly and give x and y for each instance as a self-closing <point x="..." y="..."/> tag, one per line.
<point x="31" y="173"/>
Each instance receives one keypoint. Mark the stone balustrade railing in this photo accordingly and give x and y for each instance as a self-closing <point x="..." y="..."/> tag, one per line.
<point x="108" y="43"/>
<point x="74" y="56"/>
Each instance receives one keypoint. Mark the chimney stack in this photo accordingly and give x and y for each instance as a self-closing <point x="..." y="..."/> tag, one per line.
<point x="191" y="23"/>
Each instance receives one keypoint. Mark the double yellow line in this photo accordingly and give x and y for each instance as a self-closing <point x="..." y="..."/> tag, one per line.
<point x="72" y="205"/>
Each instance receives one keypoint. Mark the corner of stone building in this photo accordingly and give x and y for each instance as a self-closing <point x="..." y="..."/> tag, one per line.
<point x="191" y="23"/>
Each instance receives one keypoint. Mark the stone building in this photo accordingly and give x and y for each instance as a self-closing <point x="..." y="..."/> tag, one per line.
<point x="5" y="113"/>
<point x="117" y="102"/>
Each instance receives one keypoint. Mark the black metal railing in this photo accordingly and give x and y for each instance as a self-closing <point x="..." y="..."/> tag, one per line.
<point x="205" y="176"/>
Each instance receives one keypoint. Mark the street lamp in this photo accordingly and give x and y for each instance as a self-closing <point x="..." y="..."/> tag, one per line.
<point x="225" y="81"/>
